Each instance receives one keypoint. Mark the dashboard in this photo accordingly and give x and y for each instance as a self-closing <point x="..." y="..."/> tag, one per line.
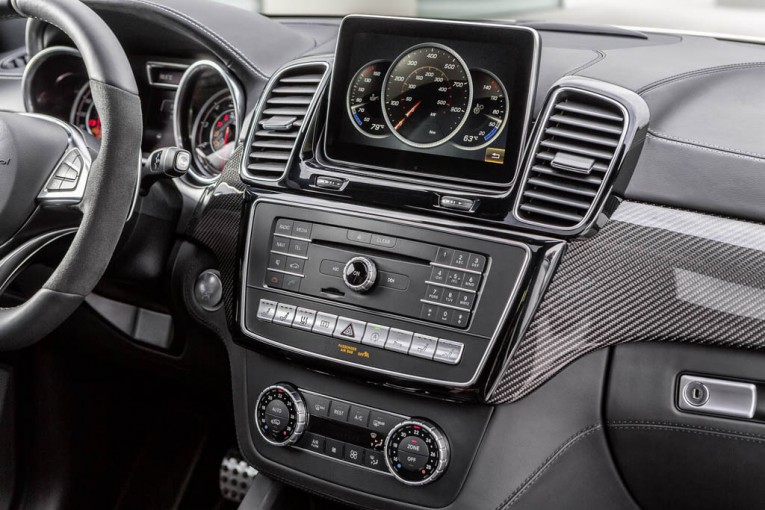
<point x="206" y="97"/>
<point x="431" y="240"/>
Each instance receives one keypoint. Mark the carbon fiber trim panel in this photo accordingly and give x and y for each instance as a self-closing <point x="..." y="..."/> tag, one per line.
<point x="217" y="222"/>
<point x="651" y="274"/>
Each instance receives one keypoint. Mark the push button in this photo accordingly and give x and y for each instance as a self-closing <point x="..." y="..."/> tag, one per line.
<point x="413" y="444"/>
<point x="339" y="411"/>
<point x="332" y="268"/>
<point x="284" y="314"/>
<point x="277" y="261"/>
<point x="349" y="329"/>
<point x="476" y="262"/>
<point x="444" y="315"/>
<point x="460" y="318"/>
<point x="374" y="459"/>
<point x="428" y="312"/>
<point x="324" y="324"/>
<point x="354" y="454"/>
<point x="423" y="346"/>
<point x="438" y="275"/>
<point x="399" y="340"/>
<point x="448" y="352"/>
<point x="411" y="461"/>
<point x="454" y="278"/>
<point x="298" y="247"/>
<point x="359" y="416"/>
<point x="266" y="310"/>
<point x="283" y="227"/>
<point x="274" y="279"/>
<point x="449" y="297"/>
<point x="291" y="283"/>
<point x="276" y="423"/>
<point x="334" y="448"/>
<point x="359" y="237"/>
<point x="393" y="280"/>
<point x="383" y="241"/>
<point x="434" y="293"/>
<point x="444" y="256"/>
<point x="302" y="229"/>
<point x="471" y="281"/>
<point x="312" y="442"/>
<point x="375" y="335"/>
<point x="281" y="244"/>
<point x="295" y="265"/>
<point x="277" y="408"/>
<point x="466" y="300"/>
<point x="317" y="406"/>
<point x="304" y="319"/>
<point x="382" y="422"/>
<point x="460" y="259"/>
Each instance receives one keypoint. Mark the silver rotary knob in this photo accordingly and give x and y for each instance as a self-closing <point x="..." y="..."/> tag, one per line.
<point x="360" y="274"/>
<point x="416" y="452"/>
<point x="281" y="415"/>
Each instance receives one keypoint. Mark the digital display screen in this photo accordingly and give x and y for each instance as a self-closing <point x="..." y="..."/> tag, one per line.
<point x="430" y="98"/>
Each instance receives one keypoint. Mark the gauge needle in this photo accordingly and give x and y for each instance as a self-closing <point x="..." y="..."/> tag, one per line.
<point x="225" y="142"/>
<point x="407" y="114"/>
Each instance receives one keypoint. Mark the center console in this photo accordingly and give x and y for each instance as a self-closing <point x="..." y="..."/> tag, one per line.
<point x="384" y="295"/>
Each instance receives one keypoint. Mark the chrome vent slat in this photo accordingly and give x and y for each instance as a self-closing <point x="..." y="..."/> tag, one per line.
<point x="578" y="139"/>
<point x="278" y="125"/>
<point x="582" y="137"/>
<point x="565" y="188"/>
<point x="583" y="123"/>
<point x="588" y="110"/>
<point x="290" y="100"/>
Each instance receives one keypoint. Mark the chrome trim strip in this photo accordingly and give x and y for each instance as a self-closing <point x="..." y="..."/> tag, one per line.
<point x="403" y="219"/>
<point x="253" y="127"/>
<point x="452" y="183"/>
<point x="451" y="307"/>
<point x="452" y="287"/>
<point x="619" y="152"/>
<point x="193" y="176"/>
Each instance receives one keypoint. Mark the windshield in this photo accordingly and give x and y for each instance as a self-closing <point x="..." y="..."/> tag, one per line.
<point x="734" y="17"/>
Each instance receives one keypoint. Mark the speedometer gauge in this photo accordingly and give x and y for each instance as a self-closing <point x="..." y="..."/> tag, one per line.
<point x="84" y="114"/>
<point x="426" y="95"/>
<point x="488" y="112"/>
<point x="364" y="103"/>
<point x="214" y="132"/>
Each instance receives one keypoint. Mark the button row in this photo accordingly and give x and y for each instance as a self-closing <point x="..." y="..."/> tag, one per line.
<point x="460" y="259"/>
<point x="289" y="251"/>
<point x="455" y="278"/>
<point x="450" y="297"/>
<point x="347" y="452"/>
<point x="336" y="410"/>
<point x="375" y="335"/>
<point x="444" y="315"/>
<point x="380" y="240"/>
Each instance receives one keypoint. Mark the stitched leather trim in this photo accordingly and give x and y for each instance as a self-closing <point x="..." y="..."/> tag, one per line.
<point x="514" y="496"/>
<point x="698" y="72"/>
<point x="722" y="152"/>
<point x="683" y="427"/>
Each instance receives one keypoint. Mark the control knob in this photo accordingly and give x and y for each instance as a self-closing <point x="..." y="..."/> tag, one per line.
<point x="416" y="452"/>
<point x="360" y="274"/>
<point x="281" y="415"/>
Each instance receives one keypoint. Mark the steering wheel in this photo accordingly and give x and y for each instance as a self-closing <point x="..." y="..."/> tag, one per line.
<point x="40" y="153"/>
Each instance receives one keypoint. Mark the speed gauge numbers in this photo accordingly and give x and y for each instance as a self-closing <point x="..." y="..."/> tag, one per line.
<point x="427" y="95"/>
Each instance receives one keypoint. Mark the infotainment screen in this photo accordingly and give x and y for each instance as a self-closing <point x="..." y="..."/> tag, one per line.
<point x="428" y="99"/>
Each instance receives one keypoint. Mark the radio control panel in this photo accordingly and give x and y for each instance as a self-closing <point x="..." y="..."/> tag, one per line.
<point x="399" y="298"/>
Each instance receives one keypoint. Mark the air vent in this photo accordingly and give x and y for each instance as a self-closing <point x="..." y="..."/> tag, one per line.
<point x="290" y="98"/>
<point x="571" y="160"/>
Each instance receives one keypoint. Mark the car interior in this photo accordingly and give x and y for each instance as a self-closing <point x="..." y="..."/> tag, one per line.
<point x="377" y="262"/>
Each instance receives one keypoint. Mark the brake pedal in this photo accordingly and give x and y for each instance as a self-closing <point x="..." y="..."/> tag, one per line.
<point x="236" y="475"/>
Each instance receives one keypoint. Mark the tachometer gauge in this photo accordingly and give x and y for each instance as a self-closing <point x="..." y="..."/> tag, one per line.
<point x="426" y="95"/>
<point x="488" y="112"/>
<point x="364" y="103"/>
<point x="214" y="132"/>
<point x="84" y="114"/>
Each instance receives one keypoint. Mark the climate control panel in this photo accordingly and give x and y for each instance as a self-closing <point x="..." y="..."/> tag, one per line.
<point x="412" y="450"/>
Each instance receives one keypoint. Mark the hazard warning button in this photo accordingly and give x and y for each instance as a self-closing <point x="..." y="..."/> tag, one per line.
<point x="349" y="329"/>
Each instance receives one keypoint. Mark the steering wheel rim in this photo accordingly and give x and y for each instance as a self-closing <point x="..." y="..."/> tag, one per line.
<point x="112" y="177"/>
